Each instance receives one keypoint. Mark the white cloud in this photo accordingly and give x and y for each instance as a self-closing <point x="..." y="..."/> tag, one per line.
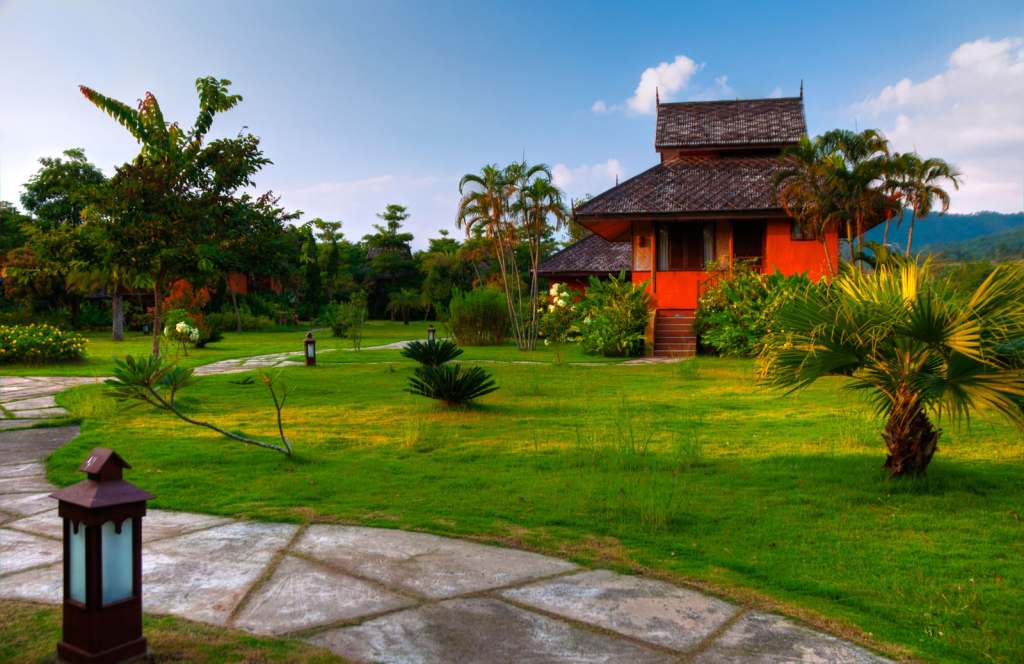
<point x="586" y="178"/>
<point x="669" y="80"/>
<point x="775" y="93"/>
<point x="431" y="201"/>
<point x="972" y="114"/>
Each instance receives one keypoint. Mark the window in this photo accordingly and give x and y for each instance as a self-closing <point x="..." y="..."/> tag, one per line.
<point x="685" y="246"/>
<point x="798" y="233"/>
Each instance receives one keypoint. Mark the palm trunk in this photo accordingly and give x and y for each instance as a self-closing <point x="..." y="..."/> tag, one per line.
<point x="117" y="316"/>
<point x="910" y="231"/>
<point x="885" y="234"/>
<point x="238" y="314"/>
<point x="909" y="437"/>
<point x="157" y="300"/>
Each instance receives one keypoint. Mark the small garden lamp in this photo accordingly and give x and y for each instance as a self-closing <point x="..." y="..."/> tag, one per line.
<point x="431" y="334"/>
<point x="102" y="563"/>
<point x="310" y="350"/>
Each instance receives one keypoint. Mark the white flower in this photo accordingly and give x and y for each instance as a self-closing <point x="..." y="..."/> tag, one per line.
<point x="554" y="290"/>
<point x="560" y="303"/>
<point x="551" y="307"/>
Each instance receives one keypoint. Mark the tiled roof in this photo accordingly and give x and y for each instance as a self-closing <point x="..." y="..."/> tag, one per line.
<point x="591" y="255"/>
<point x="730" y="123"/>
<point x="690" y="185"/>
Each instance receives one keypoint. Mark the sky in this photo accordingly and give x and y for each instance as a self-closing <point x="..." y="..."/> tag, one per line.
<point x="361" y="104"/>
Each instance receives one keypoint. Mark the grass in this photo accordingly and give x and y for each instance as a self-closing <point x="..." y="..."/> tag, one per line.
<point x="689" y="471"/>
<point x="30" y="632"/>
<point x="100" y="350"/>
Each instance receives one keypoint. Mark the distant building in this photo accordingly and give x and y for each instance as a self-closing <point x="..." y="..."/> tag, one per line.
<point x="591" y="256"/>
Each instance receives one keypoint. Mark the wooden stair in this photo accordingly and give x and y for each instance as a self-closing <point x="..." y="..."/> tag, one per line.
<point x="673" y="333"/>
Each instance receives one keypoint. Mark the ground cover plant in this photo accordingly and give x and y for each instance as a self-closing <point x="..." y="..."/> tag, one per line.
<point x="29" y="633"/>
<point x="689" y="471"/>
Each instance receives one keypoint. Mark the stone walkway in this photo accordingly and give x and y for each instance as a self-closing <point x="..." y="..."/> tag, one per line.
<point x="379" y="595"/>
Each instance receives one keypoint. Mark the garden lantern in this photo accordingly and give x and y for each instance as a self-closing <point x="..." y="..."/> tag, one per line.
<point x="431" y="334"/>
<point x="102" y="563"/>
<point x="310" y="350"/>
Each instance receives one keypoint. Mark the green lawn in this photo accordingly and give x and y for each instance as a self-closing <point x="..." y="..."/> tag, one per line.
<point x="30" y="632"/>
<point x="690" y="471"/>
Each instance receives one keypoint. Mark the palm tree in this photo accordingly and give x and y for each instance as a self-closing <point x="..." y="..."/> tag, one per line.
<point x="402" y="302"/>
<point x="919" y="185"/>
<point x="919" y="351"/>
<point x="495" y="200"/>
<point x="802" y="188"/>
<point x="542" y="201"/>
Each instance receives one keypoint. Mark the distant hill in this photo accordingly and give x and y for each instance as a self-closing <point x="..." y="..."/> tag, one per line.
<point x="976" y="235"/>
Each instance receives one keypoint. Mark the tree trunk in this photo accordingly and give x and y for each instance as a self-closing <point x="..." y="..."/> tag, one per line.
<point x="117" y="316"/>
<point x="885" y="234"/>
<point x="238" y="315"/>
<point x="910" y="438"/>
<point x="157" y="300"/>
<point x="910" y="232"/>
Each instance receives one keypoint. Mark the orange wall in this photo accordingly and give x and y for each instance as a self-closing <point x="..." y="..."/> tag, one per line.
<point x="680" y="289"/>
<point x="791" y="256"/>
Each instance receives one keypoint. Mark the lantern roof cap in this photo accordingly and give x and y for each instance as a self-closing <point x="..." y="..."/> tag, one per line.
<point x="94" y="494"/>
<point x="102" y="459"/>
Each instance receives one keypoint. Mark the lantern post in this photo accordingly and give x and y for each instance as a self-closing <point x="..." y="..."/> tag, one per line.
<point x="431" y="334"/>
<point x="310" y="350"/>
<point x="102" y="611"/>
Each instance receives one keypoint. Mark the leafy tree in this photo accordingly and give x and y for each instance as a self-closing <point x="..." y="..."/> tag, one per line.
<point x="164" y="212"/>
<point x="12" y="228"/>
<point x="313" y="294"/>
<point x="390" y="263"/>
<point x="61" y="189"/>
<point x="542" y="211"/>
<point x="916" y="349"/>
<point x="402" y="303"/>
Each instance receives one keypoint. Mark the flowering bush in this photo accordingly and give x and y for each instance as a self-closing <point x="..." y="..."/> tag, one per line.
<point x="183" y="334"/>
<point x="558" y="319"/>
<point x="38" y="344"/>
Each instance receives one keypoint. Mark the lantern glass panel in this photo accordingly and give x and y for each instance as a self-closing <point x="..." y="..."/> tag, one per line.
<point x="117" y="561"/>
<point x="76" y="568"/>
<point x="309" y="351"/>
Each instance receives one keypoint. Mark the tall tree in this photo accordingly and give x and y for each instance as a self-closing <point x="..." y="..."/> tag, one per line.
<point x="543" y="211"/>
<point x="804" y="192"/>
<point x="13" y="226"/>
<point x="166" y="209"/>
<point x="390" y="262"/>
<point x="496" y="201"/>
<point x="313" y="292"/>
<point x="920" y="184"/>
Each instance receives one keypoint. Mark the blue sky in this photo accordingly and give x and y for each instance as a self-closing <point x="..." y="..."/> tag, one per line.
<point x="362" y="104"/>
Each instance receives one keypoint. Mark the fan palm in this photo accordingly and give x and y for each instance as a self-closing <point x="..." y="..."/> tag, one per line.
<point x="919" y="352"/>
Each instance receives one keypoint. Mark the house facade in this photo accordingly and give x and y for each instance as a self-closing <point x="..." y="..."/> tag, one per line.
<point x="709" y="203"/>
<point x="593" y="256"/>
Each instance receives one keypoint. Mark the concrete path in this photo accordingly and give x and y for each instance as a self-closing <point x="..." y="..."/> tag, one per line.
<point x="379" y="595"/>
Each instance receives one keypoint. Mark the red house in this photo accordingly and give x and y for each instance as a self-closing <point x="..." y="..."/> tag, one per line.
<point x="709" y="203"/>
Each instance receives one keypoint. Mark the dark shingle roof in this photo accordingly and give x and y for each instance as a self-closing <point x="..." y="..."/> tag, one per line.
<point x="730" y="123"/>
<point x="591" y="255"/>
<point x="692" y="184"/>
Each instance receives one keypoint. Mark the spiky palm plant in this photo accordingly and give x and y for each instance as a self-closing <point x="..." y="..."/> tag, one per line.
<point x="918" y="351"/>
<point x="453" y="384"/>
<point x="431" y="353"/>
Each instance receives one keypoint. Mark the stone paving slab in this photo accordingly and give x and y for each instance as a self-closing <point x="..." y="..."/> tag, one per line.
<point x="30" y="402"/>
<point x="38" y="413"/>
<point x="46" y="523"/>
<point x="760" y="638"/>
<point x="426" y="565"/>
<point x="479" y="631"/>
<point x="26" y="504"/>
<point x="25" y="484"/>
<point x="204" y="575"/>
<point x="6" y="424"/>
<point x="26" y="469"/>
<point x="301" y="595"/>
<point x="21" y="551"/>
<point x="646" y="609"/>
<point x="45" y="584"/>
<point x="33" y="444"/>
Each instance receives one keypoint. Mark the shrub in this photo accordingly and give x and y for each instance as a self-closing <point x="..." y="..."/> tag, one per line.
<point x="337" y="317"/>
<point x="736" y="314"/>
<point x="354" y="315"/>
<point x="39" y="343"/>
<point x="431" y="353"/>
<point x="613" y="317"/>
<point x="225" y="320"/>
<point x="559" y="320"/>
<point x="451" y="383"/>
<point x="478" y="317"/>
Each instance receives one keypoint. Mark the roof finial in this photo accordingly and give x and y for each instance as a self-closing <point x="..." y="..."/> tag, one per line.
<point x="657" y="96"/>
<point x="616" y="179"/>
<point x="801" y="88"/>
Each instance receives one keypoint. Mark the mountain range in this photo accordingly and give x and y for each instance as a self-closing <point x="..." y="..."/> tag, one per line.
<point x="962" y="236"/>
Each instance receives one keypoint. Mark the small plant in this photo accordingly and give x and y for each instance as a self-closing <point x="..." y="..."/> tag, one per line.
<point x="150" y="380"/>
<point x="355" y="317"/>
<point x="182" y="334"/>
<point x="559" y="322"/>
<point x="436" y="379"/>
<point x="431" y="353"/>
<point x="453" y="384"/>
<point x="478" y="317"/>
<point x="613" y="317"/>
<point x="38" y="344"/>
